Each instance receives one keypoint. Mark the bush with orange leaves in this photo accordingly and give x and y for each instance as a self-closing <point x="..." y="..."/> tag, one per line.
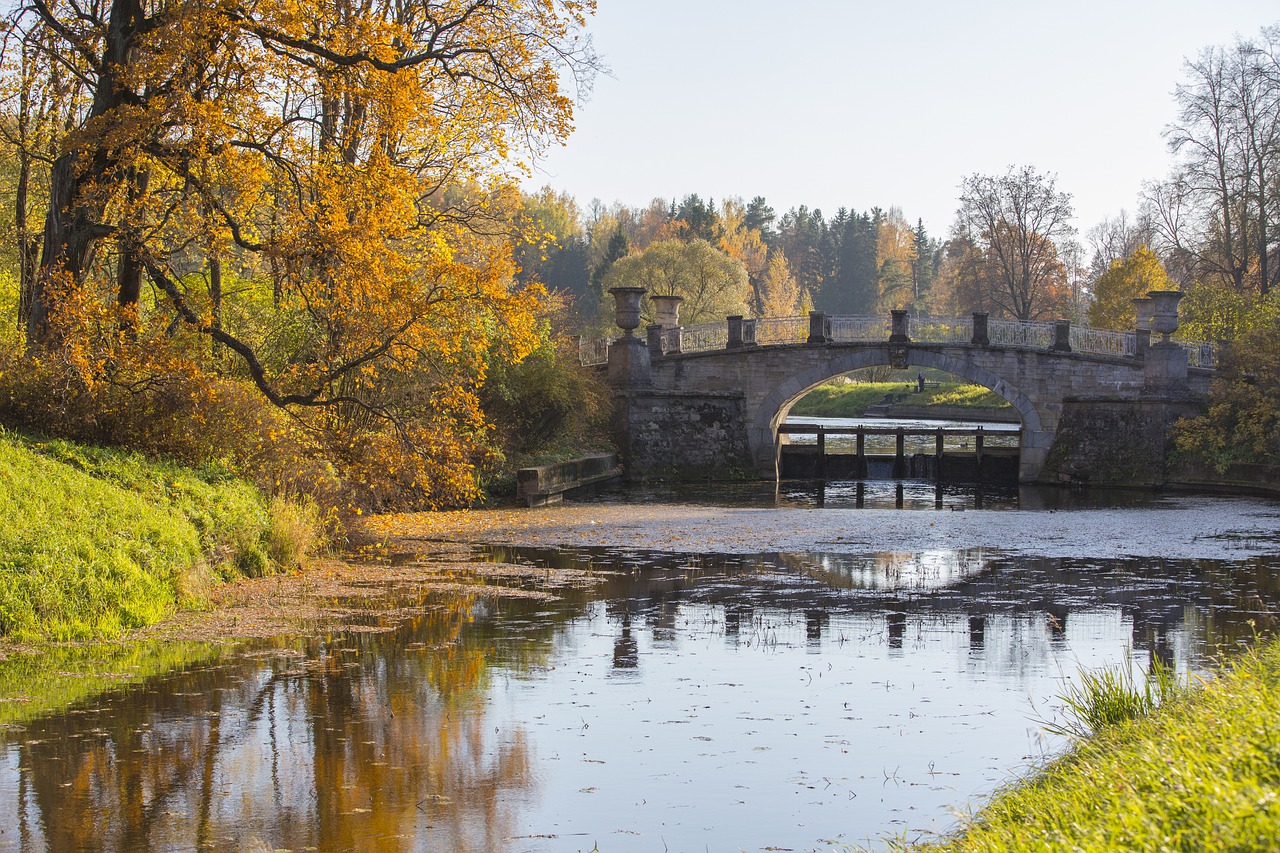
<point x="120" y="378"/>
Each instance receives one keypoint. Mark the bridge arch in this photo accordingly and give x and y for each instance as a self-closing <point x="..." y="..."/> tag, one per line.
<point x="771" y="408"/>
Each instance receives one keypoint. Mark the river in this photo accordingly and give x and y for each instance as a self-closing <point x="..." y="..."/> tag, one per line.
<point x="744" y="669"/>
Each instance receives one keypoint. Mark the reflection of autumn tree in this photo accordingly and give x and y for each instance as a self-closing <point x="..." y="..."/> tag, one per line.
<point x="344" y="748"/>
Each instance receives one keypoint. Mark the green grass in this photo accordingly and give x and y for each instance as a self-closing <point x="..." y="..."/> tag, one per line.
<point x="96" y="542"/>
<point x="852" y="400"/>
<point x="1102" y="698"/>
<point x="1199" y="773"/>
<point x="956" y="394"/>
<point x="846" y="401"/>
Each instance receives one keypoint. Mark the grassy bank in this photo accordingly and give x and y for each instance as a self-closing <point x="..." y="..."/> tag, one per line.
<point x="853" y="399"/>
<point x="95" y="542"/>
<point x="1201" y="773"/>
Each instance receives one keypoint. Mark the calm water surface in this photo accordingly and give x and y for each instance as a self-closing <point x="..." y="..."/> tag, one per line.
<point x="688" y="703"/>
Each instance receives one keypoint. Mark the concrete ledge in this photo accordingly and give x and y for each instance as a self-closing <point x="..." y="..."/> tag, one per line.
<point x="546" y="484"/>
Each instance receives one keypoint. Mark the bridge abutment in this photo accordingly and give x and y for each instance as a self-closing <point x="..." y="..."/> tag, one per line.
<point x="682" y="435"/>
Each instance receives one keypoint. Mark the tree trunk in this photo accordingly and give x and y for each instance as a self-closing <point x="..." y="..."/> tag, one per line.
<point x="74" y="224"/>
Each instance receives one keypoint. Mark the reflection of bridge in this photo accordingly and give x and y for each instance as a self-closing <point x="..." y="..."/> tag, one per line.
<point x="709" y="400"/>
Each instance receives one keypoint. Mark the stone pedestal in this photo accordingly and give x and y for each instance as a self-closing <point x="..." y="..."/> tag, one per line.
<point x="1061" y="336"/>
<point x="818" y="328"/>
<point x="629" y="363"/>
<point x="653" y="337"/>
<point x="1165" y="371"/>
<point x="735" y="332"/>
<point x="898" y="332"/>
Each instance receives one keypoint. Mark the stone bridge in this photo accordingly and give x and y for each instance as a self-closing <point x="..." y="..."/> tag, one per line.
<point x="707" y="401"/>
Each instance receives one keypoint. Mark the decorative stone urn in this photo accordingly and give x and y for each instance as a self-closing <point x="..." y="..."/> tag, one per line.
<point x="1164" y="312"/>
<point x="626" y="307"/>
<point x="666" y="310"/>
<point x="1142" y="309"/>
<point x="629" y="363"/>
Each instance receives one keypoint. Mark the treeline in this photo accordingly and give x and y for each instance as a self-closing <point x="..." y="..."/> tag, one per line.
<point x="731" y="257"/>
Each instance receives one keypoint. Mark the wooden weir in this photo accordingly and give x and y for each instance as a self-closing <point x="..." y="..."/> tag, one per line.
<point x="939" y="434"/>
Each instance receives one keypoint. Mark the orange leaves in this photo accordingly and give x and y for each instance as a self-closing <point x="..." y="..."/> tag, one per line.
<point x="321" y="187"/>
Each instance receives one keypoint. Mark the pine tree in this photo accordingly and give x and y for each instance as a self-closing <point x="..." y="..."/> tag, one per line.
<point x="922" y="265"/>
<point x="618" y="248"/>
<point x="760" y="216"/>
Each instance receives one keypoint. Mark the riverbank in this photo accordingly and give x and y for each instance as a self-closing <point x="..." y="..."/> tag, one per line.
<point x="97" y="542"/>
<point x="1200" y="773"/>
<point x="853" y="399"/>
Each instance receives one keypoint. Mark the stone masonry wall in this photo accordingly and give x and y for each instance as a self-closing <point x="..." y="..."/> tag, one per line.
<point x="1113" y="442"/>
<point x="683" y="436"/>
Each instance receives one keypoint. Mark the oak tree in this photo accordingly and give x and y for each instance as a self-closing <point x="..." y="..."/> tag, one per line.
<point x="351" y="157"/>
<point x="1013" y="220"/>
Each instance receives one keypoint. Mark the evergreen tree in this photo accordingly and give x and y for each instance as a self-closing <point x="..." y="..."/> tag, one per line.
<point x="618" y="248"/>
<point x="803" y="238"/>
<point x="922" y="267"/>
<point x="699" y="220"/>
<point x="760" y="216"/>
<point x="853" y="289"/>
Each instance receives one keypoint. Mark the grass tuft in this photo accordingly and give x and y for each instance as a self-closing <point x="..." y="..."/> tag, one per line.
<point x="1112" y="695"/>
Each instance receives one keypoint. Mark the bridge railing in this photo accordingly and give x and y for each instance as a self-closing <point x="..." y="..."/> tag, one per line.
<point x="766" y="331"/>
<point x="940" y="330"/>
<point x="847" y="330"/>
<point x="593" y="351"/>
<point x="702" y="338"/>
<point x="1018" y="333"/>
<point x="776" y="330"/>
<point x="1103" y="341"/>
<point x="1200" y="353"/>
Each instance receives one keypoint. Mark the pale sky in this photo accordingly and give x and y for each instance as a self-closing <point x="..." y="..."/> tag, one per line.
<point x="830" y="103"/>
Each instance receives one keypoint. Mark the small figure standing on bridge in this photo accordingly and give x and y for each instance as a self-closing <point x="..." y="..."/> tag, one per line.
<point x="920" y="382"/>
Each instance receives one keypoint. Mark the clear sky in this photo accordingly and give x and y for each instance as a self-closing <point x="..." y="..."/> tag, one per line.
<point x="845" y="102"/>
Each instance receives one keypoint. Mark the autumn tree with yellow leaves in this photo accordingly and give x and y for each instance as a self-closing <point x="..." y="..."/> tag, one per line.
<point x="1115" y="289"/>
<point x="320" y="192"/>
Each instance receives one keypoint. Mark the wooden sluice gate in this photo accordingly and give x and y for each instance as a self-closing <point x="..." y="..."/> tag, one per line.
<point x="982" y="463"/>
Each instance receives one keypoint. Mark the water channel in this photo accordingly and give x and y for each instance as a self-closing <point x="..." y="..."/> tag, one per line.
<point x="707" y="693"/>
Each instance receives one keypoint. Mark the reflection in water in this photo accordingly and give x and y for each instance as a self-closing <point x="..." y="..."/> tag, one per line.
<point x="689" y="701"/>
<point x="872" y="494"/>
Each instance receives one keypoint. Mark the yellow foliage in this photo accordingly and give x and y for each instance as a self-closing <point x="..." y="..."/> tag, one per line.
<point x="353" y="159"/>
<point x="1127" y="280"/>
